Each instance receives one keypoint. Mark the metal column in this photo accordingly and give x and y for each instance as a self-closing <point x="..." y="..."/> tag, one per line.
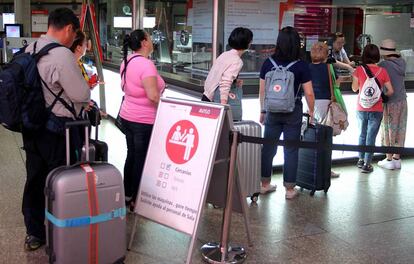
<point x="23" y="16"/>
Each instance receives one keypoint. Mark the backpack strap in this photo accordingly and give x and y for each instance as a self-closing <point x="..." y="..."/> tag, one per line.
<point x="58" y="97"/>
<point x="273" y="62"/>
<point x="291" y="64"/>
<point x="45" y="50"/>
<point x="34" y="47"/>
<point x="42" y="52"/>
<point x="123" y="73"/>
<point x="369" y="74"/>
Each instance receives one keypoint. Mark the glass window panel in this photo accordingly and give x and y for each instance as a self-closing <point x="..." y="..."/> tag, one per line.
<point x="115" y="21"/>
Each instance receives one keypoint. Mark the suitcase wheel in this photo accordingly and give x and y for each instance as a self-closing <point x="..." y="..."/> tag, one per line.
<point x="254" y="197"/>
<point x="325" y="190"/>
<point x="312" y="192"/>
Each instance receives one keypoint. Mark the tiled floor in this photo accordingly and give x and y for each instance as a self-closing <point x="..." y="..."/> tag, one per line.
<point x="362" y="219"/>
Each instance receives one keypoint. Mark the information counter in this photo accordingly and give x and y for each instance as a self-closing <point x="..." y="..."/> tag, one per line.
<point x="252" y="109"/>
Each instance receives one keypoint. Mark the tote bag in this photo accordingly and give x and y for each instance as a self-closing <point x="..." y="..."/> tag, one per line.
<point x="336" y="117"/>
<point x="336" y="91"/>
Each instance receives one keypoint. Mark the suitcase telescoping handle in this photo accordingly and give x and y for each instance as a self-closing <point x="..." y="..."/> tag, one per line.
<point x="308" y="123"/>
<point x="68" y="125"/>
<point x="307" y="116"/>
<point x="98" y="119"/>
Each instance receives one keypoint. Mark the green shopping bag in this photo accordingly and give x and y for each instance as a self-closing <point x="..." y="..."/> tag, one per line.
<point x="337" y="92"/>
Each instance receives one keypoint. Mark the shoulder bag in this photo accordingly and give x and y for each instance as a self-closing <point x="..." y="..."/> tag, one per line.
<point x="118" y="120"/>
<point x="335" y="117"/>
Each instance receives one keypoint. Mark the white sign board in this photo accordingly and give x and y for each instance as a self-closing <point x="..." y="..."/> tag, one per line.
<point x="39" y="22"/>
<point x="202" y="21"/>
<point x="260" y="16"/>
<point x="179" y="162"/>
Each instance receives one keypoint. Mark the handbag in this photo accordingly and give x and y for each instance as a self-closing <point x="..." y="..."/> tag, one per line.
<point x="335" y="88"/>
<point x="234" y="100"/>
<point x="118" y="120"/>
<point x="336" y="117"/>
<point x="384" y="97"/>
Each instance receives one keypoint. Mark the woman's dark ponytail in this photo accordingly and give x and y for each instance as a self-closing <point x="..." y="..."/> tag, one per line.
<point x="126" y="44"/>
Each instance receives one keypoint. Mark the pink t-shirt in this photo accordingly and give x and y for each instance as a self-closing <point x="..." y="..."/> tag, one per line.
<point x="136" y="106"/>
<point x="382" y="78"/>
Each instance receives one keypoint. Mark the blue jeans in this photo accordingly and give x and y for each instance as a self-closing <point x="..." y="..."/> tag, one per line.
<point x="137" y="137"/>
<point x="369" y="124"/>
<point x="290" y="125"/>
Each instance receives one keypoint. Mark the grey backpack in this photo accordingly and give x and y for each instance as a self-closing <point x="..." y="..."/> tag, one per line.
<point x="279" y="89"/>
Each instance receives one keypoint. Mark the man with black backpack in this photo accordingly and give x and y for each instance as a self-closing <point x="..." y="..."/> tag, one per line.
<point x="65" y="92"/>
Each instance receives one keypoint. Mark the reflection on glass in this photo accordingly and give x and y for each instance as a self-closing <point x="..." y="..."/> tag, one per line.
<point x="182" y="29"/>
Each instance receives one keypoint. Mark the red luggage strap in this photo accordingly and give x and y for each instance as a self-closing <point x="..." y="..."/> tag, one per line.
<point x="91" y="180"/>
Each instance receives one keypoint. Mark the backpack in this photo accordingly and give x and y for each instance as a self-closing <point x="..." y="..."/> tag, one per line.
<point x="22" y="104"/>
<point x="370" y="91"/>
<point x="279" y="89"/>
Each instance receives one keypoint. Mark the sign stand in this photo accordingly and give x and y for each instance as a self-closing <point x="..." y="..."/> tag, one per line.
<point x="223" y="252"/>
<point x="186" y="158"/>
<point x="88" y="18"/>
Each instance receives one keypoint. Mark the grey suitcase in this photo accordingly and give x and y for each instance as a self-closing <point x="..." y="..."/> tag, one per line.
<point x="85" y="212"/>
<point x="249" y="159"/>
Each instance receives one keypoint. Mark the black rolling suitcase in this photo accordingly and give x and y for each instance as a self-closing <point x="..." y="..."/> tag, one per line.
<point x="314" y="165"/>
<point x="98" y="150"/>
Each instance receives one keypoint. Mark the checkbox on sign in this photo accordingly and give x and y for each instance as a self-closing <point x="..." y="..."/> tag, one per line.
<point x="166" y="176"/>
<point x="164" y="184"/>
<point x="158" y="183"/>
<point x="160" y="174"/>
<point x="162" y="165"/>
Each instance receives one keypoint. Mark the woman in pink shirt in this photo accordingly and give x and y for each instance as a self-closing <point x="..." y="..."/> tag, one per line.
<point x="369" y="118"/>
<point x="143" y="87"/>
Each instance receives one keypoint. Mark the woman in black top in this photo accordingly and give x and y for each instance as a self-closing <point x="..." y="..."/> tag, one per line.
<point x="287" y="51"/>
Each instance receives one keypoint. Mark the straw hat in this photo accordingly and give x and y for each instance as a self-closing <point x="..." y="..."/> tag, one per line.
<point x="388" y="48"/>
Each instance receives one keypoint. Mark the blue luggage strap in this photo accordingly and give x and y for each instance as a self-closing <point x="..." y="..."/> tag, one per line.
<point x="86" y="220"/>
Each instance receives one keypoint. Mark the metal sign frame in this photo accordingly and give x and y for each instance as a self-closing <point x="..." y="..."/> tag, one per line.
<point x="225" y="126"/>
<point x="88" y="18"/>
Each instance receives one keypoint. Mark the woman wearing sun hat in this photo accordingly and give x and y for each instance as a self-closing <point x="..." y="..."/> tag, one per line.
<point x="394" y="122"/>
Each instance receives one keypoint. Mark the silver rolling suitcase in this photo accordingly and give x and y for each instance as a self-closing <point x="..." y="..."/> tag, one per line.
<point x="249" y="159"/>
<point x="85" y="211"/>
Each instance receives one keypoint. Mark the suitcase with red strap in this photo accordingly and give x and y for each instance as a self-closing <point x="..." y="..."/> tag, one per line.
<point x="85" y="211"/>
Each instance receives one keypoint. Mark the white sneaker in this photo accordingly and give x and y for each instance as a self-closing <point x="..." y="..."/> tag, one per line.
<point x="387" y="164"/>
<point x="268" y="188"/>
<point x="397" y="163"/>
